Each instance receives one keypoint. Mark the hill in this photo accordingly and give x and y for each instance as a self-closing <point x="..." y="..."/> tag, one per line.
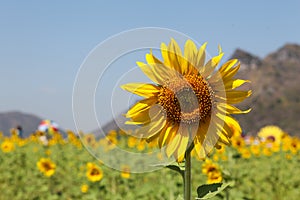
<point x="28" y="122"/>
<point x="276" y="88"/>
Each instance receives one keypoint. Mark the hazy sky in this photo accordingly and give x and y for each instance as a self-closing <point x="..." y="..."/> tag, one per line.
<point x="43" y="43"/>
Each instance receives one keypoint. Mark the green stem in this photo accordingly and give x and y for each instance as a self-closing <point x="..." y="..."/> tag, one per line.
<point x="187" y="174"/>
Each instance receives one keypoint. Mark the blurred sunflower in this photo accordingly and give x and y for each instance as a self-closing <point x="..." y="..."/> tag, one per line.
<point x="271" y="134"/>
<point x="125" y="173"/>
<point x="7" y="146"/>
<point x="214" y="175"/>
<point x="209" y="167"/>
<point x="84" y="188"/>
<point x="46" y="166"/>
<point x="94" y="173"/>
<point x="189" y="102"/>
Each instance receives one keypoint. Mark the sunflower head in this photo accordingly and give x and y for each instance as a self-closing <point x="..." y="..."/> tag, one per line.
<point x="189" y="102"/>
<point x="46" y="166"/>
<point x="125" y="173"/>
<point x="94" y="172"/>
<point x="7" y="146"/>
<point x="212" y="171"/>
<point x="271" y="134"/>
<point x="84" y="188"/>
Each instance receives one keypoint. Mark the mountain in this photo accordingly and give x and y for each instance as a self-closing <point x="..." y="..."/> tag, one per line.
<point x="276" y="87"/>
<point x="28" y="122"/>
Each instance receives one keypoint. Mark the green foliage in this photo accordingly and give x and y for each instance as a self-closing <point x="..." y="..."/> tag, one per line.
<point x="208" y="191"/>
<point x="258" y="177"/>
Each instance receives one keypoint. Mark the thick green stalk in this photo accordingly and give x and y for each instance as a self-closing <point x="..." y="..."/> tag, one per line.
<point x="187" y="182"/>
<point x="187" y="175"/>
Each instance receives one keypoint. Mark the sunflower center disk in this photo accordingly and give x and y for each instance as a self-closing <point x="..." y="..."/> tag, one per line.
<point x="186" y="100"/>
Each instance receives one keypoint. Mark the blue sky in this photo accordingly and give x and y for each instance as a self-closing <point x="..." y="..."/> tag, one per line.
<point x="43" y="43"/>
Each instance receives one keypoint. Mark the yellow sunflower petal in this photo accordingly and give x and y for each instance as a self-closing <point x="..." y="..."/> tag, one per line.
<point x="161" y="71"/>
<point x="199" y="148"/>
<point x="229" y="74"/>
<point x="172" y="146"/>
<point x="201" y="56"/>
<point x="149" y="130"/>
<point x="148" y="71"/>
<point x="225" y="73"/>
<point x="232" y="84"/>
<point x="228" y="65"/>
<point x="175" y="56"/>
<point x="167" y="134"/>
<point x="141" y="89"/>
<point x="230" y="109"/>
<point x="223" y="136"/>
<point x="234" y="97"/>
<point x="190" y="52"/>
<point x="141" y="106"/>
<point x="183" y="131"/>
<point x="165" y="55"/>
<point x="231" y="125"/>
<point x="139" y="119"/>
<point x="211" y="65"/>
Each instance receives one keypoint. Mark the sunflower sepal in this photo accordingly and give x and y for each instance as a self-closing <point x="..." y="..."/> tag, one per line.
<point x="208" y="191"/>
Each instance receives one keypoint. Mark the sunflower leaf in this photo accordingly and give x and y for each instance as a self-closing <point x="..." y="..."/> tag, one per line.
<point x="208" y="191"/>
<point x="176" y="168"/>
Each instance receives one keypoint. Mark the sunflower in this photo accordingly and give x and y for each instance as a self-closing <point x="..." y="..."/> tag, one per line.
<point x="94" y="173"/>
<point x="209" y="167"/>
<point x="215" y="177"/>
<point x="46" y="166"/>
<point x="271" y="134"/>
<point x="84" y="188"/>
<point x="7" y="146"/>
<point x="125" y="173"/>
<point x="212" y="171"/>
<point x="189" y="102"/>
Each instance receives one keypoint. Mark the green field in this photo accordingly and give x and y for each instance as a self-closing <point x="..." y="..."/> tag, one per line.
<point x="64" y="169"/>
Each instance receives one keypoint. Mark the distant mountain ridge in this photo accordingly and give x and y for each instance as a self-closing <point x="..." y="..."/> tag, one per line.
<point x="28" y="122"/>
<point x="276" y="89"/>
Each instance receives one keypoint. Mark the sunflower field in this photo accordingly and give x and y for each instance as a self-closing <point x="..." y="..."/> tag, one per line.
<point x="264" y="167"/>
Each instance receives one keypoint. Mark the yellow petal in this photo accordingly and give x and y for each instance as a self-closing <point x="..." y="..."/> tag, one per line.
<point x="172" y="146"/>
<point x="232" y="84"/>
<point x="211" y="65"/>
<point x="159" y="69"/>
<point x="148" y="71"/>
<point x="201" y="56"/>
<point x="141" y="89"/>
<point x="199" y="148"/>
<point x="149" y="130"/>
<point x="175" y="56"/>
<point x="183" y="131"/>
<point x="139" y="119"/>
<point x="165" y="54"/>
<point x="167" y="134"/>
<point x="190" y="56"/>
<point x="233" y="97"/>
<point x="223" y="137"/>
<point x="229" y="74"/>
<point x="141" y="106"/>
<point x="231" y="125"/>
<point x="228" y="65"/>
<point x="230" y="109"/>
<point x="225" y="73"/>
